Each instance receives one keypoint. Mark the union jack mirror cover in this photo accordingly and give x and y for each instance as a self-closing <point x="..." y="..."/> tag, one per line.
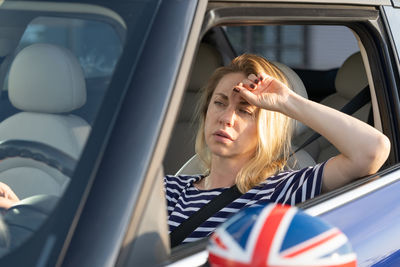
<point x="279" y="235"/>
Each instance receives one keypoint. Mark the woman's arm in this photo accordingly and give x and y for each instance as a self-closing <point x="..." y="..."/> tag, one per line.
<point x="363" y="149"/>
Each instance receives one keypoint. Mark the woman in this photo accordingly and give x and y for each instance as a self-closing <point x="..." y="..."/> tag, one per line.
<point x="246" y="114"/>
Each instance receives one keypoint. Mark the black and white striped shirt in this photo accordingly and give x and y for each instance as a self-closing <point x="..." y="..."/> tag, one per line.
<point x="184" y="199"/>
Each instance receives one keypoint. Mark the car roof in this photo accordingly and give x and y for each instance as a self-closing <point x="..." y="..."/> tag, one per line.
<point x="354" y="2"/>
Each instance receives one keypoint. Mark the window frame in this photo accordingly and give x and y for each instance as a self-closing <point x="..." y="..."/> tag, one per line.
<point x="390" y="20"/>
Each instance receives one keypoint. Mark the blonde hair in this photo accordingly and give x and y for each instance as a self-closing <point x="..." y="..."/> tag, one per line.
<point x="274" y="129"/>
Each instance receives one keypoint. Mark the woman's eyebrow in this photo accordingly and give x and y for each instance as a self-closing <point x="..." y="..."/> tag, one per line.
<point x="243" y="102"/>
<point x="222" y="95"/>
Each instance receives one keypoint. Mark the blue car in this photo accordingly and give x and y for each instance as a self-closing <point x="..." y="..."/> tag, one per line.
<point x="98" y="100"/>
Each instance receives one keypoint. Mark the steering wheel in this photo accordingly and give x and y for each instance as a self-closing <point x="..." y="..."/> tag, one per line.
<point x="26" y="216"/>
<point x="39" y="152"/>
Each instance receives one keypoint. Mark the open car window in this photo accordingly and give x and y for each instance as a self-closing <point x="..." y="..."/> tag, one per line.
<point x="318" y="60"/>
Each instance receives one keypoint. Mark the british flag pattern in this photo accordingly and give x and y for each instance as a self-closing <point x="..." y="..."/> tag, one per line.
<point x="279" y="236"/>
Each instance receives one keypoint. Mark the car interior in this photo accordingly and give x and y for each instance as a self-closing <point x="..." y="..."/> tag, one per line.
<point x="54" y="72"/>
<point x="48" y="106"/>
<point x="54" y="105"/>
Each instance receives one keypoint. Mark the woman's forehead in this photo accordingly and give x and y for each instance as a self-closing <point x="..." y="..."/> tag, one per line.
<point x="224" y="88"/>
<point x="229" y="80"/>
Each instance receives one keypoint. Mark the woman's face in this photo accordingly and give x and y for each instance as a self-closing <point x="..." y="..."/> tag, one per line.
<point x="230" y="126"/>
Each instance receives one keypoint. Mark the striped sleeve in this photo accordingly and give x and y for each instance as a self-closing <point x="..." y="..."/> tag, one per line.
<point x="300" y="186"/>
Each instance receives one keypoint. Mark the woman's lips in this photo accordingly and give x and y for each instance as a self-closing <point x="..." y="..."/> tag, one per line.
<point x="222" y="136"/>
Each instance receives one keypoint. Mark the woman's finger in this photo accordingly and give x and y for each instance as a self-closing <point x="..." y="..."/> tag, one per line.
<point x="6" y="203"/>
<point x="11" y="195"/>
<point x="7" y="192"/>
<point x="261" y="76"/>
<point x="250" y="85"/>
<point x="253" y="78"/>
<point x="246" y="94"/>
<point x="266" y="80"/>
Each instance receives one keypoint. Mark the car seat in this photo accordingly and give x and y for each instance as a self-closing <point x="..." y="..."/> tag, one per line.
<point x="351" y="78"/>
<point x="46" y="82"/>
<point x="299" y="160"/>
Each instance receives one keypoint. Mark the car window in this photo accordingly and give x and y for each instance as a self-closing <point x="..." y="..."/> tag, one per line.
<point x="299" y="46"/>
<point x="55" y="71"/>
<point x="95" y="44"/>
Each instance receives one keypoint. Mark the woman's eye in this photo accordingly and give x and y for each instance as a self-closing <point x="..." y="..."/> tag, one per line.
<point x="218" y="103"/>
<point x="246" y="112"/>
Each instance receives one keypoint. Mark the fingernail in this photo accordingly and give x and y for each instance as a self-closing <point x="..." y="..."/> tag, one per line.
<point x="261" y="78"/>
<point x="252" y="86"/>
<point x="256" y="80"/>
<point x="236" y="90"/>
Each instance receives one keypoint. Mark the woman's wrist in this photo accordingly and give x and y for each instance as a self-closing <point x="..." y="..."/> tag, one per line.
<point x="294" y="105"/>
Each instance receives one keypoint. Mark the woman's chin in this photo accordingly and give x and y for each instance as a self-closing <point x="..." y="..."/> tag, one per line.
<point x="221" y="152"/>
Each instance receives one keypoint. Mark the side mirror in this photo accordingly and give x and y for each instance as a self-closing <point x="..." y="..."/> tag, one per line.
<point x="278" y="235"/>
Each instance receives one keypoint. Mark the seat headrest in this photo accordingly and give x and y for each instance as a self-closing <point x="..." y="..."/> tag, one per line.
<point x="351" y="77"/>
<point x="46" y="78"/>
<point x="297" y="85"/>
<point x="208" y="59"/>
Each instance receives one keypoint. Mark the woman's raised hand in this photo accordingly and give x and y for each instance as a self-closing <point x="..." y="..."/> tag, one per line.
<point x="264" y="91"/>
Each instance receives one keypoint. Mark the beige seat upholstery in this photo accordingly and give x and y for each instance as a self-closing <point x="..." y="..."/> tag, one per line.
<point x="350" y="80"/>
<point x="181" y="145"/>
<point x="46" y="82"/>
<point x="301" y="158"/>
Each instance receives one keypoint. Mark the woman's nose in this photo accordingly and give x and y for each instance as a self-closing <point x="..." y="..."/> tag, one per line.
<point x="228" y="117"/>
